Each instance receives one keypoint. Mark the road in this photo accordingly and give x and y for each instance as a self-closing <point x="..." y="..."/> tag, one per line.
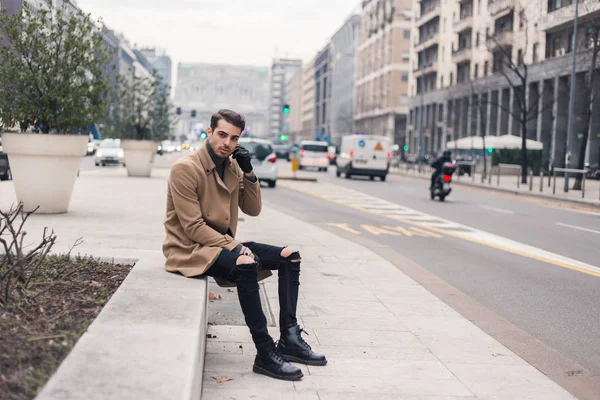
<point x="532" y="263"/>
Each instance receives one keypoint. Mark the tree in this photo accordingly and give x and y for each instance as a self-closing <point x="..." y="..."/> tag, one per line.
<point x="51" y="69"/>
<point x="515" y="70"/>
<point x="591" y="44"/>
<point x="140" y="109"/>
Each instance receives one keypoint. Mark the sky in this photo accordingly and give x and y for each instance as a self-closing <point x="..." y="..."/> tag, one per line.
<point x="247" y="32"/>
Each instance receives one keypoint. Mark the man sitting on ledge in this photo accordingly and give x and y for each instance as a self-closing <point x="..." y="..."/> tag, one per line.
<point x="205" y="189"/>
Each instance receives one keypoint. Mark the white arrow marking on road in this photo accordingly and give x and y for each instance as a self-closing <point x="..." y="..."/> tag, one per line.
<point x="577" y="227"/>
<point x="498" y="210"/>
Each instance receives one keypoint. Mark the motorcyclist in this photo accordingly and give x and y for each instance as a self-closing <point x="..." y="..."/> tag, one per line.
<point x="438" y="164"/>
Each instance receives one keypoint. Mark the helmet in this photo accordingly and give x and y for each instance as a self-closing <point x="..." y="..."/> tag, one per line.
<point x="447" y="153"/>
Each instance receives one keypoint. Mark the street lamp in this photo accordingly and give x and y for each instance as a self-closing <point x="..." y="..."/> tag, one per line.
<point x="571" y="98"/>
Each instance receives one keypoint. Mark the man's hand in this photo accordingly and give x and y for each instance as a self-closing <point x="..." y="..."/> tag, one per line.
<point x="242" y="156"/>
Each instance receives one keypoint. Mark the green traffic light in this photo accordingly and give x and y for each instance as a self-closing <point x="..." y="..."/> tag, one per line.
<point x="286" y="110"/>
<point x="405" y="147"/>
<point x="490" y="150"/>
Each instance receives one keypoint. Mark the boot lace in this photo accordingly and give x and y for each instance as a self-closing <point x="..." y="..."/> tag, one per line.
<point x="276" y="355"/>
<point x="301" y="339"/>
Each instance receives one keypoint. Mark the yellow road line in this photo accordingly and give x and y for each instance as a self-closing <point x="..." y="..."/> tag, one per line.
<point x="450" y="233"/>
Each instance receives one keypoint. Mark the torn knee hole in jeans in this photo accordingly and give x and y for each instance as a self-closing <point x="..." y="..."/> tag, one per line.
<point x="294" y="257"/>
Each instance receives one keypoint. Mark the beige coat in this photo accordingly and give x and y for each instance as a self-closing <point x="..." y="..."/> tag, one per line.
<point x="202" y="211"/>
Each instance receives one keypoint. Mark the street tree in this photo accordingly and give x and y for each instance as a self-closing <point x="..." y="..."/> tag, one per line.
<point x="588" y="43"/>
<point x="140" y="109"/>
<point x="52" y="65"/>
<point x="516" y="72"/>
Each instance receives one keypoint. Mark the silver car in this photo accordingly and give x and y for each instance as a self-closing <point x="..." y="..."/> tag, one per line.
<point x="110" y="152"/>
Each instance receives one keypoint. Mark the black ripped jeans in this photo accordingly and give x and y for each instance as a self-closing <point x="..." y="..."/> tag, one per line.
<point x="246" y="278"/>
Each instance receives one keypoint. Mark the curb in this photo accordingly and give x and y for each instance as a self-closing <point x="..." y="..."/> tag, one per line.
<point x="595" y="206"/>
<point x="291" y="178"/>
<point x="148" y="342"/>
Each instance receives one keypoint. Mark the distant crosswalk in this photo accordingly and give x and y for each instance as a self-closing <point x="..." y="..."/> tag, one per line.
<point x="374" y="205"/>
<point x="356" y="199"/>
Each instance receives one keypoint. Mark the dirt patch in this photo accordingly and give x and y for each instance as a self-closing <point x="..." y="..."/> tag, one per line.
<point x="36" y="335"/>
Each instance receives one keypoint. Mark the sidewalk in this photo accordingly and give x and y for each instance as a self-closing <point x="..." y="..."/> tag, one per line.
<point x="385" y="336"/>
<point x="508" y="184"/>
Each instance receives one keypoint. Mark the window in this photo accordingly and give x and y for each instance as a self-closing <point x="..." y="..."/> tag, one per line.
<point x="520" y="57"/>
<point x="477" y="39"/>
<point x="405" y="77"/>
<point x="476" y="72"/>
<point x="486" y="66"/>
<point x="441" y="81"/>
<point x="405" y="57"/>
<point x="521" y="19"/>
<point x="487" y="33"/>
<point x="451" y="78"/>
<point x="406" y="34"/>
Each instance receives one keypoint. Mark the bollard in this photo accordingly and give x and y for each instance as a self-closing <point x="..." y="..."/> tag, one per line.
<point x="583" y="186"/>
<point x="490" y="175"/>
<point x="541" y="181"/>
<point x="519" y="178"/>
<point x="498" y="169"/>
<point x="554" y="184"/>
<point x="530" y="180"/>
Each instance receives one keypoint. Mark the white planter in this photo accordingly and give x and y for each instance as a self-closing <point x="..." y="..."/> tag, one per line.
<point x="44" y="168"/>
<point x="139" y="156"/>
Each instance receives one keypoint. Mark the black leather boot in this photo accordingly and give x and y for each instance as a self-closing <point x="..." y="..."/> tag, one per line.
<point x="294" y="348"/>
<point x="271" y="363"/>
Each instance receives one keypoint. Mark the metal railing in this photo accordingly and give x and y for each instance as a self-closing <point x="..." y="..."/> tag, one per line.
<point x="583" y="172"/>
<point x="515" y="167"/>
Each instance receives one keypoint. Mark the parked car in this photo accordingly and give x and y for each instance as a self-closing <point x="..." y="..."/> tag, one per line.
<point x="5" y="174"/>
<point x="314" y="154"/>
<point x="264" y="159"/>
<point x="110" y="152"/>
<point x="281" y="151"/>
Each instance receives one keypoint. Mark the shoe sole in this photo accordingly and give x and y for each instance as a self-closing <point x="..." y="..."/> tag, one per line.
<point x="262" y="371"/>
<point x="305" y="362"/>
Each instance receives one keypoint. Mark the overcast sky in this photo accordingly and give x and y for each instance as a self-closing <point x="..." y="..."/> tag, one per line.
<point x="225" y="31"/>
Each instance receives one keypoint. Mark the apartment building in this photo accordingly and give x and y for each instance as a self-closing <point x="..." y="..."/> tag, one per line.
<point x="383" y="68"/>
<point x="308" y="100"/>
<point x="462" y="52"/>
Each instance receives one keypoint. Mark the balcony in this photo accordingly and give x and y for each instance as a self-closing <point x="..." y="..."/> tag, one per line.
<point x="463" y="24"/>
<point x="425" y="68"/>
<point x="500" y="40"/>
<point x="498" y="6"/>
<point x="462" y="55"/>
<point x="565" y="15"/>
<point x="428" y="15"/>
<point x="427" y="41"/>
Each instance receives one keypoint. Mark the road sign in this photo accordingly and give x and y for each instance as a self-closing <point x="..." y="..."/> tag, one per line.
<point x="361" y="144"/>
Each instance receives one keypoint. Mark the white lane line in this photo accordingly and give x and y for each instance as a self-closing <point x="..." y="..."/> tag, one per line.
<point x="578" y="228"/>
<point x="498" y="210"/>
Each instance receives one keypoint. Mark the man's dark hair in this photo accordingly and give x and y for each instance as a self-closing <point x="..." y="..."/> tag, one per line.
<point x="232" y="117"/>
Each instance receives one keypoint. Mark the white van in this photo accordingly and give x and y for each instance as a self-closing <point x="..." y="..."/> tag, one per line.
<point x="366" y="155"/>
<point x="314" y="154"/>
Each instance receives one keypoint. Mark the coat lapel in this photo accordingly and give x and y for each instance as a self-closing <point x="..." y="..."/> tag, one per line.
<point x="230" y="177"/>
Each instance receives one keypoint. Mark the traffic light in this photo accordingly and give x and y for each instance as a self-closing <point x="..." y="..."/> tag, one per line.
<point x="203" y="135"/>
<point x="490" y="150"/>
<point x="178" y="111"/>
<point x="405" y="147"/>
<point x="283" y="138"/>
<point x="193" y="113"/>
<point x="286" y="109"/>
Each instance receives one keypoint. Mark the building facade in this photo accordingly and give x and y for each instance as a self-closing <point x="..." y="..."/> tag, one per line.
<point x="322" y="93"/>
<point x="293" y="120"/>
<point x="383" y="68"/>
<point x="281" y="71"/>
<point x="308" y="100"/>
<point x="161" y="62"/>
<point x="465" y="54"/>
<point x="206" y="88"/>
<point x="344" y="48"/>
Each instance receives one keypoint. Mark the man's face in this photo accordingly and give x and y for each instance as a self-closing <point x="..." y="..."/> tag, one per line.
<point x="224" y="138"/>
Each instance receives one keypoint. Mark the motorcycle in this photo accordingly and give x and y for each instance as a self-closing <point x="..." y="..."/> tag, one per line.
<point x="441" y="187"/>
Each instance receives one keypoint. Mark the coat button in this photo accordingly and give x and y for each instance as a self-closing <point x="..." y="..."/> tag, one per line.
<point x="226" y="219"/>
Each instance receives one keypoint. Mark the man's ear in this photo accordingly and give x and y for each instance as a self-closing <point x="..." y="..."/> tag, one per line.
<point x="209" y="131"/>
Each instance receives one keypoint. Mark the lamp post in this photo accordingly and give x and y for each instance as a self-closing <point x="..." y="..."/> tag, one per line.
<point x="571" y="98"/>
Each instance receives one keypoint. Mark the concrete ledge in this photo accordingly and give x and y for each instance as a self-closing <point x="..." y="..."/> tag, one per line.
<point x="148" y="342"/>
<point x="292" y="178"/>
<point x="595" y="204"/>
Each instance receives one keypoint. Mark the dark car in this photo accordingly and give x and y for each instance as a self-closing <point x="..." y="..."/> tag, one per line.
<point x="5" y="173"/>
<point x="281" y="151"/>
